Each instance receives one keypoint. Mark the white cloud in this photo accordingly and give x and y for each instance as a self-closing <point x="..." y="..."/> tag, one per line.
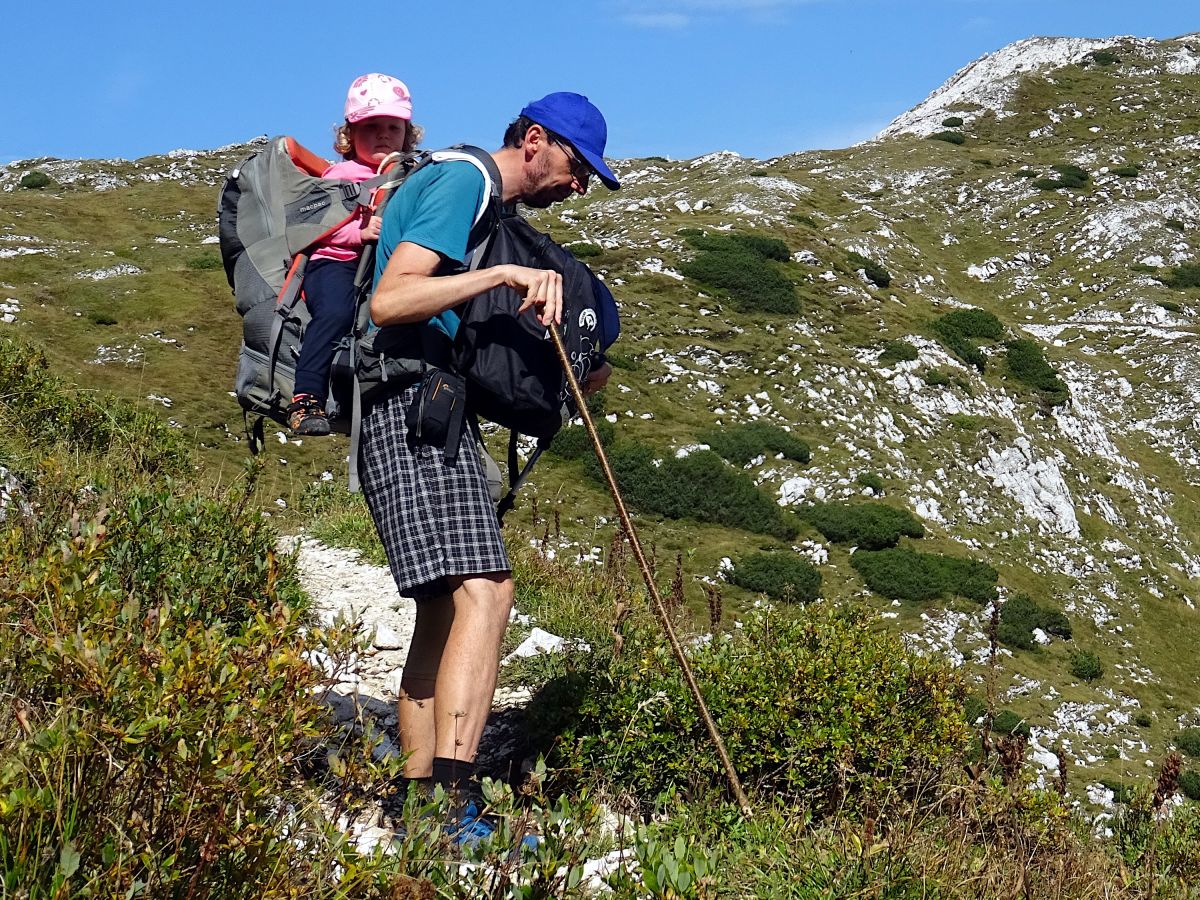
<point x="658" y="20"/>
<point x="678" y="14"/>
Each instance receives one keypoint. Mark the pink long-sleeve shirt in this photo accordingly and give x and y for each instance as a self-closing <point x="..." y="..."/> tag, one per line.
<point x="346" y="243"/>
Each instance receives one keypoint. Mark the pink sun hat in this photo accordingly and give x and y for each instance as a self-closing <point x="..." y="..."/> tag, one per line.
<point x="372" y="96"/>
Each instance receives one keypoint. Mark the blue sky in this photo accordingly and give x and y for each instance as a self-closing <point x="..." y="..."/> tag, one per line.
<point x="675" y="78"/>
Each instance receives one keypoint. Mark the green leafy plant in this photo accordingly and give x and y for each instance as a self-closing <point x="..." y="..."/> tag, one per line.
<point x="961" y="328"/>
<point x="952" y="122"/>
<point x="1175" y="224"/>
<point x="1102" y="58"/>
<point x="871" y="526"/>
<point x="876" y="273"/>
<point x="1085" y="665"/>
<point x="1027" y="364"/>
<point x="35" y="181"/>
<point x="897" y="351"/>
<point x="699" y="486"/>
<point x="781" y="576"/>
<point x="1008" y="722"/>
<point x="1189" y="742"/>
<point x="870" y="480"/>
<point x="1189" y="784"/>
<point x="950" y="137"/>
<point x="742" y="443"/>
<point x="1069" y="176"/>
<point x="1129" y="171"/>
<point x="743" y="267"/>
<point x="814" y="706"/>
<point x="585" y="250"/>
<point x="902" y="574"/>
<point x="1184" y="277"/>
<point x="574" y="442"/>
<point x="936" y="378"/>
<point x="1021" y="614"/>
<point x="204" y="262"/>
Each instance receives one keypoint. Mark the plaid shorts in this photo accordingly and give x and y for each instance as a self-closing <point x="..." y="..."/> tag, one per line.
<point x="434" y="519"/>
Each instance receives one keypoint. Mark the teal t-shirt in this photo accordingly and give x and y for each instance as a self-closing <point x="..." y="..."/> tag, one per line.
<point x="434" y="208"/>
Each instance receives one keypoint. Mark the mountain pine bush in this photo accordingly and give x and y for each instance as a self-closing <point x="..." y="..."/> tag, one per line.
<point x="961" y="328"/>
<point x="574" y="442"/>
<point x="897" y="351"/>
<point x="1086" y="666"/>
<point x="876" y="273"/>
<point x="950" y="137"/>
<point x="781" y="576"/>
<point x="35" y="181"/>
<point x="1184" y="277"/>
<point x="699" y="486"/>
<point x="741" y="443"/>
<point x="871" y="526"/>
<point x="952" y="122"/>
<point x="1021" y="614"/>
<point x="1026" y="363"/>
<point x="1189" y="742"/>
<point x="902" y="574"/>
<point x="743" y="267"/>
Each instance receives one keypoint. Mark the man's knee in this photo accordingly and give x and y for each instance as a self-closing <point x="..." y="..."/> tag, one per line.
<point x="490" y="595"/>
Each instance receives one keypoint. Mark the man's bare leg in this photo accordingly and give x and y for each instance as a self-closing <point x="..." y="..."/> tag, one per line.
<point x="415" y="706"/>
<point x="466" y="678"/>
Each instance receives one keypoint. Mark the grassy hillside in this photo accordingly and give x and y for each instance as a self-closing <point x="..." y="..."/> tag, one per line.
<point x="1065" y="215"/>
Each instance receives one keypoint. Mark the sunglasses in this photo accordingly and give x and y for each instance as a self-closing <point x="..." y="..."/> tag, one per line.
<point x="581" y="170"/>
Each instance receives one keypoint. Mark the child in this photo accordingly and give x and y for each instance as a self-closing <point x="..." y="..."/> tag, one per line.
<point x="378" y="122"/>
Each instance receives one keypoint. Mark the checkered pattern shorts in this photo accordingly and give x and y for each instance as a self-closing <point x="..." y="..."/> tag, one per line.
<point x="434" y="519"/>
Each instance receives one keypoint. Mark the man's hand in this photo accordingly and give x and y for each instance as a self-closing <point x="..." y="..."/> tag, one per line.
<point x="597" y="379"/>
<point x="539" y="287"/>
<point x="370" y="231"/>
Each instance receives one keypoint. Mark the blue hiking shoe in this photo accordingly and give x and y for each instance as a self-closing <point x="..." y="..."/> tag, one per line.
<point x="473" y="829"/>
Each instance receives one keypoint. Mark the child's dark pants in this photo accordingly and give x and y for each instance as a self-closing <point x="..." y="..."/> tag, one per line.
<point x="329" y="293"/>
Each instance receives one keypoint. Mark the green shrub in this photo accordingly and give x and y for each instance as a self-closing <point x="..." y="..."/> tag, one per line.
<point x="902" y="574"/>
<point x="1008" y="722"/>
<point x="802" y="219"/>
<point x="936" y="378"/>
<point x="624" y="361"/>
<point x="952" y="122"/>
<point x="1170" y="306"/>
<point x="876" y="273"/>
<point x="741" y="443"/>
<point x="204" y="262"/>
<point x="870" y="480"/>
<point x="781" y="576"/>
<point x="814" y="706"/>
<point x="1184" y="277"/>
<point x="1122" y="792"/>
<point x="1142" y="268"/>
<point x="585" y="250"/>
<point x="1020" y="615"/>
<point x="35" y="181"/>
<point x="1027" y="173"/>
<point x="84" y="422"/>
<point x="574" y="442"/>
<point x="1130" y="171"/>
<point x="1102" y="58"/>
<point x="1143" y="720"/>
<point x="1175" y="225"/>
<point x="699" y="486"/>
<point x="1027" y="364"/>
<point x="871" y="526"/>
<point x="102" y="318"/>
<point x="1189" y="742"/>
<point x="950" y="137"/>
<point x="897" y="351"/>
<point x="743" y="267"/>
<point x="1086" y="666"/>
<point x="960" y="328"/>
<point x="1189" y="784"/>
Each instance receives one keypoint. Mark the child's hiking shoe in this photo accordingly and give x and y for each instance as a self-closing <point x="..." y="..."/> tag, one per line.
<point x="306" y="416"/>
<point x="473" y="829"/>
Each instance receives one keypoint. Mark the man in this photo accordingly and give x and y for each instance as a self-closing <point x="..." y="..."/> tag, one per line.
<point x="436" y="519"/>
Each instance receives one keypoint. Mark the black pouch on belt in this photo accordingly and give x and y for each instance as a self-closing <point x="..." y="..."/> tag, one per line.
<point x="438" y="414"/>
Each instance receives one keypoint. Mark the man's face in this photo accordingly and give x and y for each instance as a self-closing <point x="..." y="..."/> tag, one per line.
<point x="554" y="174"/>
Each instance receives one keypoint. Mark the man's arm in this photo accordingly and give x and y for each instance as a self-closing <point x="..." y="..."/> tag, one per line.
<point x="409" y="291"/>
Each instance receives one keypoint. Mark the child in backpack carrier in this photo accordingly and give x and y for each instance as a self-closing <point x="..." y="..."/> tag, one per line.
<point x="378" y="122"/>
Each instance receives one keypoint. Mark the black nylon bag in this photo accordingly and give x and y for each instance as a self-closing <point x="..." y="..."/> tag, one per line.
<point x="513" y="374"/>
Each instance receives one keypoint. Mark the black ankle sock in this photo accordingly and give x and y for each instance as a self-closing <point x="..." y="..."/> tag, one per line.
<point x="452" y="774"/>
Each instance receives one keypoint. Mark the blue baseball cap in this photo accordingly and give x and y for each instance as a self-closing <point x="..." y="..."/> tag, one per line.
<point x="575" y="118"/>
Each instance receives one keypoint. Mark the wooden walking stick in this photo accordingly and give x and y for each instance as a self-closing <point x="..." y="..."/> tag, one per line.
<point x="660" y="608"/>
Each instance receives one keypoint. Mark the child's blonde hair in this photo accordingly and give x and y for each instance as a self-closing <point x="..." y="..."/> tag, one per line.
<point x="343" y="146"/>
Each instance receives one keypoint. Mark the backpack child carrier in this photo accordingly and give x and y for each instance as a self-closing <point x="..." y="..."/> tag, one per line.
<point x="274" y="208"/>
